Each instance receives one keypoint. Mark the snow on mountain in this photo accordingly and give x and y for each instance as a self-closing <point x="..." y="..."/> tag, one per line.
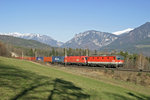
<point x="90" y="39"/>
<point x="41" y="38"/>
<point x="21" y="35"/>
<point x="123" y="31"/>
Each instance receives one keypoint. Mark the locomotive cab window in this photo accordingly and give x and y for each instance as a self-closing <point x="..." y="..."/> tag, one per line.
<point x="86" y="58"/>
<point x="120" y="58"/>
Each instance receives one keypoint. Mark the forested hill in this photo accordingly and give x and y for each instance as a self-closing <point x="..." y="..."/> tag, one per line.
<point x="22" y="42"/>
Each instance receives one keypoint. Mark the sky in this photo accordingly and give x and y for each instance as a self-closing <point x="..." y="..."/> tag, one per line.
<point x="62" y="19"/>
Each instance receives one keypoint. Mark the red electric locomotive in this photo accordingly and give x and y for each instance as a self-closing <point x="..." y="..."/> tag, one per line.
<point x="77" y="60"/>
<point x="106" y="61"/>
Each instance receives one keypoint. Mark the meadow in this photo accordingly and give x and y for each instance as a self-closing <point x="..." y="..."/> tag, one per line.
<point x="25" y="80"/>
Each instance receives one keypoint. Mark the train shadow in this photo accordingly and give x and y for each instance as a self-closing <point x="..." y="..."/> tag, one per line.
<point x="27" y="85"/>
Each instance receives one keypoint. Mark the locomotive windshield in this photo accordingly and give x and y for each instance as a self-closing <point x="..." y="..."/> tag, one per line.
<point x="120" y="58"/>
<point x="86" y="58"/>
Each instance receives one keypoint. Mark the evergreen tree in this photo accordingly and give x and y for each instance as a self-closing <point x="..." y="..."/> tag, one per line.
<point x="95" y="52"/>
<point x="65" y="52"/>
<point x="31" y="52"/>
<point x="53" y="52"/>
<point x="124" y="54"/>
<point x="69" y="52"/>
<point x="77" y="52"/>
<point x="50" y="53"/>
<point x="56" y="53"/>
<point x="88" y="52"/>
<point x="80" y="52"/>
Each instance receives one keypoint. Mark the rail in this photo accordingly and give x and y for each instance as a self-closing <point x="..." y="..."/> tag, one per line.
<point x="103" y="68"/>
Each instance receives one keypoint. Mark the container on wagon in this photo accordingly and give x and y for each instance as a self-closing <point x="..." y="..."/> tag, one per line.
<point x="57" y="59"/>
<point x="39" y="58"/>
<point x="32" y="58"/>
<point x="47" y="59"/>
<point x="26" y="58"/>
<point x="19" y="58"/>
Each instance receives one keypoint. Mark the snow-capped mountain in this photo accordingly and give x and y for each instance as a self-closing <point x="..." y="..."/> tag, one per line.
<point x="90" y="39"/>
<point x="123" y="31"/>
<point x="135" y="41"/>
<point x="41" y="38"/>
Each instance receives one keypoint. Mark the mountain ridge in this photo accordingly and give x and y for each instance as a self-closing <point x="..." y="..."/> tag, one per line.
<point x="38" y="37"/>
<point x="95" y="39"/>
<point x="136" y="41"/>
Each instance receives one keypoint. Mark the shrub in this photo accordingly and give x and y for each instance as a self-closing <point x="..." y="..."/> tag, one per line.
<point x="139" y="74"/>
<point x="112" y="71"/>
<point x="105" y="70"/>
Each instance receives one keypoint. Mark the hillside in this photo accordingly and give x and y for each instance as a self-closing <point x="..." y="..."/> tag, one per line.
<point x="90" y="39"/>
<point x="22" y="42"/>
<point x="136" y="41"/>
<point x="26" y="80"/>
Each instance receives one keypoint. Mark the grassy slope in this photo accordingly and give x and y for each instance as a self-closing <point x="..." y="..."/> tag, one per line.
<point x="25" y="80"/>
<point x="99" y="75"/>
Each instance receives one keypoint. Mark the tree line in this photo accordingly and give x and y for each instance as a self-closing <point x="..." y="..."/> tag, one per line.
<point x="135" y="61"/>
<point x="56" y="52"/>
<point x="132" y="61"/>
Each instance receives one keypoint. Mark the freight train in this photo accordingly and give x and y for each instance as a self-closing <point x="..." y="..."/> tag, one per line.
<point x="101" y="61"/>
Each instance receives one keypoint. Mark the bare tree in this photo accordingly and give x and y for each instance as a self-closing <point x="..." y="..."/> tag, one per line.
<point x="142" y="62"/>
<point x="3" y="50"/>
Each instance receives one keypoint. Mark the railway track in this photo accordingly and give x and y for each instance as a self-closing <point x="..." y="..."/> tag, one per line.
<point x="103" y="68"/>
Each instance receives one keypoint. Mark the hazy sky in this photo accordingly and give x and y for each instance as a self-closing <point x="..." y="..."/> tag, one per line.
<point x="62" y="19"/>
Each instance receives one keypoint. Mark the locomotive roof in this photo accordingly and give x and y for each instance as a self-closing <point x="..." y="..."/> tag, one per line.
<point x="106" y="55"/>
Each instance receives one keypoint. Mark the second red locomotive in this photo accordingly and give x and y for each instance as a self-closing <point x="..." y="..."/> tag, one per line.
<point x="103" y="61"/>
<point x="107" y="61"/>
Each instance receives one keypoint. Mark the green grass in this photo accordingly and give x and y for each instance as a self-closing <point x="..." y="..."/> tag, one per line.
<point x="24" y="80"/>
